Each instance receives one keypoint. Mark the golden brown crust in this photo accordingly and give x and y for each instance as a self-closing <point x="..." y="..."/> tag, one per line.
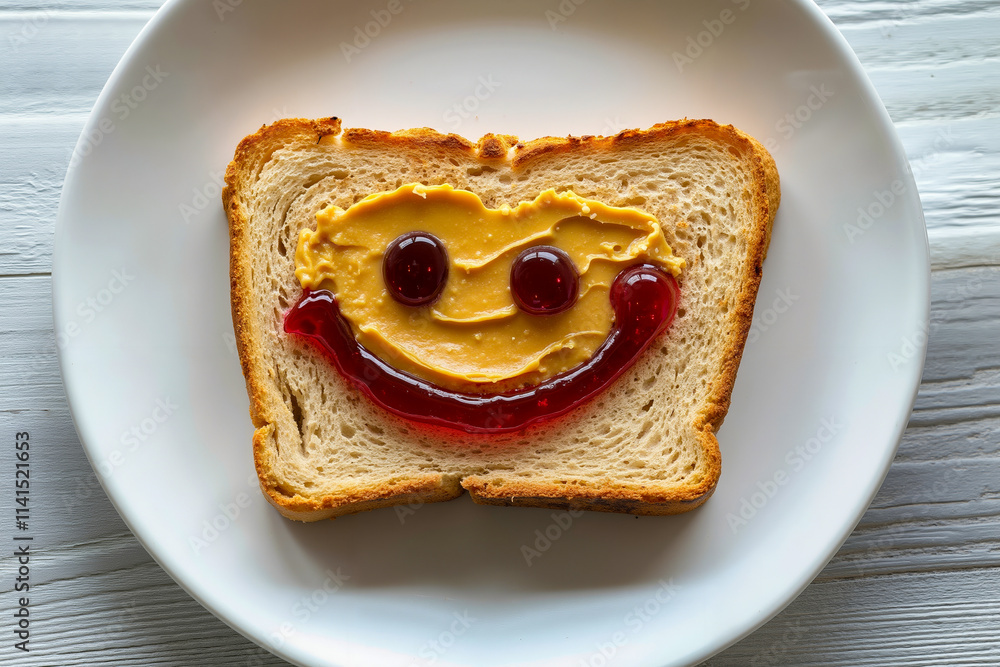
<point x="578" y="496"/>
<point x="605" y="503"/>
<point x="416" y="137"/>
<point x="495" y="147"/>
<point x="252" y="153"/>
<point x="763" y="215"/>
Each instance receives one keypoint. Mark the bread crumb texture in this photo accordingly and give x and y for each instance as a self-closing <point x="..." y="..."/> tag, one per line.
<point x="646" y="445"/>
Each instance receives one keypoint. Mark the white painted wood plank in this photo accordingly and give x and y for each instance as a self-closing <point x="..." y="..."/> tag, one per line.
<point x="131" y="616"/>
<point x="915" y="35"/>
<point x="964" y="335"/>
<point x="956" y="165"/>
<point x="926" y="619"/>
<point x="29" y="371"/>
<point x="71" y="515"/>
<point x="55" y="63"/>
<point x="935" y="66"/>
<point x="849" y="12"/>
<point x="35" y="7"/>
<point x="964" y="89"/>
<point x="137" y="616"/>
<point x="35" y="154"/>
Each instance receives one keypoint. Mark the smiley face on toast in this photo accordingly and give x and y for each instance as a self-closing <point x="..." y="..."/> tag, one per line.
<point x="473" y="299"/>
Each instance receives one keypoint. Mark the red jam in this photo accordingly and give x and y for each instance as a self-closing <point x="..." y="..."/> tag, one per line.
<point x="544" y="281"/>
<point x="415" y="268"/>
<point x="644" y="299"/>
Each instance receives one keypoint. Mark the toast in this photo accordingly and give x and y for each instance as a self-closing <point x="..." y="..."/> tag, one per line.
<point x="646" y="445"/>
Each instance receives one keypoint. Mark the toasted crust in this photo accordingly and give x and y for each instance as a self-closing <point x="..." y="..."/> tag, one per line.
<point x="255" y="151"/>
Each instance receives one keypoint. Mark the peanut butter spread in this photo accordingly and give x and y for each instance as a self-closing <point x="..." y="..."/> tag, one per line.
<point x="474" y="338"/>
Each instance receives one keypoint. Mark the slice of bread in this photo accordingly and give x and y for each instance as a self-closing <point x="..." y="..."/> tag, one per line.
<point x="645" y="446"/>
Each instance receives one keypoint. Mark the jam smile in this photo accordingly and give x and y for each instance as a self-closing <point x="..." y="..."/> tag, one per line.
<point x="644" y="299"/>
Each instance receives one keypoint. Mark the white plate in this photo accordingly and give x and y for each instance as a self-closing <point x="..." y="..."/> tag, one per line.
<point x="824" y="392"/>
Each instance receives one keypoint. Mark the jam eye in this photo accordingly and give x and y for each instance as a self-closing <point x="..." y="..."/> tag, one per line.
<point x="415" y="268"/>
<point x="544" y="281"/>
<point x="645" y="296"/>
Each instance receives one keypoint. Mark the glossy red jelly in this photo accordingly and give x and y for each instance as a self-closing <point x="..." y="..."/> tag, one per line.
<point x="644" y="299"/>
<point x="544" y="280"/>
<point x="415" y="268"/>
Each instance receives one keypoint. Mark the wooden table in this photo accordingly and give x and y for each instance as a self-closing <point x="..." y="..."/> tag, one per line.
<point x="918" y="583"/>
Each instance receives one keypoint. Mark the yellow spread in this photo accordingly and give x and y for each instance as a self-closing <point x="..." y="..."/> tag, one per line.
<point x="473" y="336"/>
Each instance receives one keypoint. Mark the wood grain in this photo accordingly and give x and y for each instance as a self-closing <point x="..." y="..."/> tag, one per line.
<point x="915" y="584"/>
